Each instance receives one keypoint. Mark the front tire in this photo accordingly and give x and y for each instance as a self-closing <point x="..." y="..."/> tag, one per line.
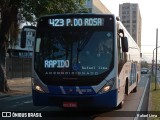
<point x="120" y="106"/>
<point x="126" y="87"/>
<point x="136" y="88"/>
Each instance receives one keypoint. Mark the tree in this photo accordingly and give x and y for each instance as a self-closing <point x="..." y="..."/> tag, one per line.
<point x="15" y="12"/>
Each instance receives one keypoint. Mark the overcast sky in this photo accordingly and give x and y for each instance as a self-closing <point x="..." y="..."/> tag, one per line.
<point x="150" y="22"/>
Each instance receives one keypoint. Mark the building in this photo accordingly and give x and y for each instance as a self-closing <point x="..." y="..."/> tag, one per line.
<point x="17" y="51"/>
<point x="95" y="6"/>
<point x="131" y="18"/>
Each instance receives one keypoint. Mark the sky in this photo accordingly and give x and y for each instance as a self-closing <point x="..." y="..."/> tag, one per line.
<point x="149" y="10"/>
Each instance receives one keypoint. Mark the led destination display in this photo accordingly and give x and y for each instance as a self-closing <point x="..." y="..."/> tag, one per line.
<point x="76" y="22"/>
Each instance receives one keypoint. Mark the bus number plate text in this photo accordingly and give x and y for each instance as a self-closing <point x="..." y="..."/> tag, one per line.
<point x="70" y="104"/>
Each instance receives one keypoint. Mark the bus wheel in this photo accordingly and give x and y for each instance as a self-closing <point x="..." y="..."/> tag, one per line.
<point x="126" y="87"/>
<point x="122" y="102"/>
<point x="135" y="89"/>
<point x="120" y="105"/>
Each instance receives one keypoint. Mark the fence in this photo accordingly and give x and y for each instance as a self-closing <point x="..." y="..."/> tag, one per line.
<point x="18" y="67"/>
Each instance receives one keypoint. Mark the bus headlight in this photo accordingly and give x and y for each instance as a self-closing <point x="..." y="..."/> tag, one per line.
<point x="36" y="86"/>
<point x="38" y="89"/>
<point x="108" y="86"/>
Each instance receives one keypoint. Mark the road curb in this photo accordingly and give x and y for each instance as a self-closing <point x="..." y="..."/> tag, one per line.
<point x="150" y="95"/>
<point x="2" y="95"/>
<point x="142" y="98"/>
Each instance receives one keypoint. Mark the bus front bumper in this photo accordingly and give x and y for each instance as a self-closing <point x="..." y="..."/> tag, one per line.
<point x="105" y="100"/>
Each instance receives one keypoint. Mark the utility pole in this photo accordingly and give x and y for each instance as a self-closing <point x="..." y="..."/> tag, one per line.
<point x="156" y="58"/>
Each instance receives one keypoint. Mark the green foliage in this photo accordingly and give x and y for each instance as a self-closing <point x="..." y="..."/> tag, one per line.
<point x="154" y="97"/>
<point x="32" y="9"/>
<point x="20" y="11"/>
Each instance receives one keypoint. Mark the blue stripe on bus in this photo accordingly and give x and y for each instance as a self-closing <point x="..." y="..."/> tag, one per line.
<point x="71" y="90"/>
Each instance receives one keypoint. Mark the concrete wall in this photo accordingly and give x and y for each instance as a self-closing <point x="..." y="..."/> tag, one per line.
<point x="17" y="67"/>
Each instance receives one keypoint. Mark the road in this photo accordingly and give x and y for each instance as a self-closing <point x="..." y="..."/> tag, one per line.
<point x="132" y="103"/>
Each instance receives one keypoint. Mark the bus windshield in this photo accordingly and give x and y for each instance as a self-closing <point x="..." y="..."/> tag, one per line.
<point x="74" y="52"/>
<point x="63" y="50"/>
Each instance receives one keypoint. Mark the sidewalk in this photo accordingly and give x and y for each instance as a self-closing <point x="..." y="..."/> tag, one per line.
<point x="18" y="86"/>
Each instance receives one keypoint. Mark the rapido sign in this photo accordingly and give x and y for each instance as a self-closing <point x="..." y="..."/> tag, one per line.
<point x="56" y="63"/>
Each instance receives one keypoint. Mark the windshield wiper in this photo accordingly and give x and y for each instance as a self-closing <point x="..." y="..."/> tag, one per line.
<point x="85" y="39"/>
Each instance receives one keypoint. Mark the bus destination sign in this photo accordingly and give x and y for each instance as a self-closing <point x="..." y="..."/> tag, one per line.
<point x="76" y="22"/>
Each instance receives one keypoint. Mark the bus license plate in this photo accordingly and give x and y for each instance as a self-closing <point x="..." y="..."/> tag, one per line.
<point x="70" y="104"/>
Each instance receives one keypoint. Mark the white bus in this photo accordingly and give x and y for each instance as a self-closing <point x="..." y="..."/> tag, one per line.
<point x="83" y="61"/>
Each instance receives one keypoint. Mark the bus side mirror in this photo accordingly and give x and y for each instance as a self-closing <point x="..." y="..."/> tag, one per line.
<point x="23" y="39"/>
<point x="124" y="42"/>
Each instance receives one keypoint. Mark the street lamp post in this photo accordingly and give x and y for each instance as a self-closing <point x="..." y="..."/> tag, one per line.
<point x="156" y="59"/>
<point x="153" y="59"/>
